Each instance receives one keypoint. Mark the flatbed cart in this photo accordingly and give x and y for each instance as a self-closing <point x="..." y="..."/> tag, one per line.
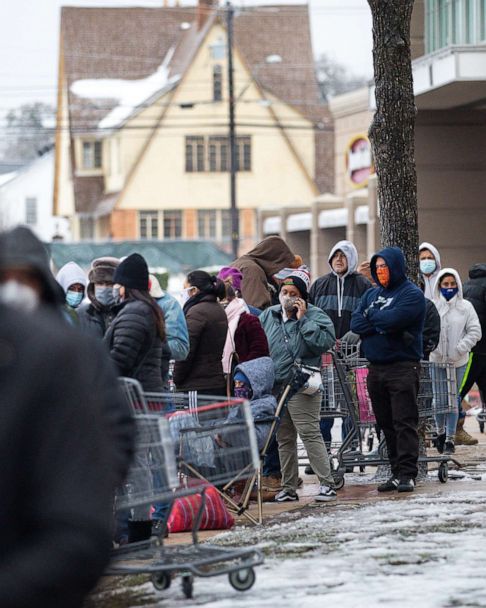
<point x="205" y="445"/>
<point x="435" y="397"/>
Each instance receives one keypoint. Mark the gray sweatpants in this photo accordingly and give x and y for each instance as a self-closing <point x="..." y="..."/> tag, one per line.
<point x="301" y="417"/>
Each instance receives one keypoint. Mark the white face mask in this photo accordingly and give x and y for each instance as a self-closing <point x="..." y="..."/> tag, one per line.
<point x="13" y="293"/>
<point x="185" y="294"/>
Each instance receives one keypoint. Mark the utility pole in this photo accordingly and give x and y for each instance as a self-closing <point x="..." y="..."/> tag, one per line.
<point x="235" y="224"/>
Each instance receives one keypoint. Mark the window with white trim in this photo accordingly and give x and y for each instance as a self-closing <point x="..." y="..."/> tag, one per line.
<point x="92" y="154"/>
<point x="148" y="224"/>
<point x="172" y="223"/>
<point x="31" y="211"/>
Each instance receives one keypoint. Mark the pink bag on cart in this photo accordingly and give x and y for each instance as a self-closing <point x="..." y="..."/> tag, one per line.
<point x="366" y="414"/>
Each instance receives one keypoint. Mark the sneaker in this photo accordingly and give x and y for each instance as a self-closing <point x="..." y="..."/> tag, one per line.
<point x="390" y="485"/>
<point x="309" y="470"/>
<point x="286" y="496"/>
<point x="406" y="484"/>
<point x="326" y="494"/>
<point x="449" y="447"/>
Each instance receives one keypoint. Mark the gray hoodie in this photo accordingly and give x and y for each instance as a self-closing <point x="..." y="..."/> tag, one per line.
<point x="431" y="279"/>
<point x="70" y="274"/>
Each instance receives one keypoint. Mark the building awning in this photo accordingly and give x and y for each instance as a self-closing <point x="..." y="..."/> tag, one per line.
<point x="272" y="225"/>
<point x="299" y="221"/>
<point x="361" y="214"/>
<point x="333" y="218"/>
<point x="450" y="78"/>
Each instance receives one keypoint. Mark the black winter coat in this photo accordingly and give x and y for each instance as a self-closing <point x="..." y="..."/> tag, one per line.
<point x="431" y="333"/>
<point x="59" y="400"/>
<point x="135" y="346"/>
<point x="95" y="320"/>
<point x="207" y="326"/>
<point x="475" y="291"/>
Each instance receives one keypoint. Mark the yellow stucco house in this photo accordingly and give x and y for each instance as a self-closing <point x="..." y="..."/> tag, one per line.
<point x="142" y="148"/>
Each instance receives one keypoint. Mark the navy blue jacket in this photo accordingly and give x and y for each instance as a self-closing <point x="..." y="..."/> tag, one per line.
<point x="390" y="320"/>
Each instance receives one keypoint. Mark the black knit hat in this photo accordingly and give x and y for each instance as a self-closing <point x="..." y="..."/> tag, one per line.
<point x="133" y="273"/>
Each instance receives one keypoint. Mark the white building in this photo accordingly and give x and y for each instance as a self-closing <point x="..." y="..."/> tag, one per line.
<point x="26" y="198"/>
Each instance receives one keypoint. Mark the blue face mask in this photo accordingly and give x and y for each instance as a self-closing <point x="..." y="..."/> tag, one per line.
<point x="104" y="295"/>
<point x="427" y="266"/>
<point x="74" y="298"/>
<point x="449" y="292"/>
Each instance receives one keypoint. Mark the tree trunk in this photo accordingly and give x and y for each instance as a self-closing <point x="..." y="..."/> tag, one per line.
<point x="392" y="130"/>
<point x="392" y="136"/>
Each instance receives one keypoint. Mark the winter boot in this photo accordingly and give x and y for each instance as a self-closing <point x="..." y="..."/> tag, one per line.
<point x="462" y="436"/>
<point x="439" y="442"/>
<point x="139" y="530"/>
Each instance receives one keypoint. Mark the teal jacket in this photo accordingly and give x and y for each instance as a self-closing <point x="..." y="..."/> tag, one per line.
<point x="308" y="339"/>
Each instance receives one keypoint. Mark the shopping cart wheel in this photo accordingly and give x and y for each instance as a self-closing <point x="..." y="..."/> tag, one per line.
<point x="481" y="427"/>
<point x="161" y="580"/>
<point x="443" y="472"/>
<point x="188" y="585"/>
<point x="339" y="482"/>
<point x="242" y="580"/>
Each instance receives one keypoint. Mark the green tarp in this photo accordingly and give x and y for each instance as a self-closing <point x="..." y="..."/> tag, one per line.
<point x="173" y="255"/>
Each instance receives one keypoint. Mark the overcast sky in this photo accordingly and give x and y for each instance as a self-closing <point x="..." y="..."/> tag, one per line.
<point x="29" y="35"/>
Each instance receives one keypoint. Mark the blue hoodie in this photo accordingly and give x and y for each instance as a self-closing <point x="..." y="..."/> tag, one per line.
<point x="390" y="320"/>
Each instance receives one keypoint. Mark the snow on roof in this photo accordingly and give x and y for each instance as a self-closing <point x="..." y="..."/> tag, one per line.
<point x="361" y="214"/>
<point x="272" y="225"/>
<point x="129" y="93"/>
<point x="6" y="177"/>
<point x="333" y="218"/>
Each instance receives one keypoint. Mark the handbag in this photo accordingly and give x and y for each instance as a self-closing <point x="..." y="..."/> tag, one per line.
<point x="310" y="377"/>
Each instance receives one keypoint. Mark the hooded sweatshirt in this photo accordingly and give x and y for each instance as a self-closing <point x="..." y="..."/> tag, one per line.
<point x="70" y="274"/>
<point x="390" y="319"/>
<point x="460" y="329"/>
<point x="339" y="295"/>
<point x="431" y="279"/>
<point x="475" y="292"/>
<point x="258" y="267"/>
<point x="261" y="375"/>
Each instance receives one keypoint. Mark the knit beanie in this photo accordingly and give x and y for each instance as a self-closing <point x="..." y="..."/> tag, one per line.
<point x="133" y="273"/>
<point x="301" y="279"/>
<point x="103" y="269"/>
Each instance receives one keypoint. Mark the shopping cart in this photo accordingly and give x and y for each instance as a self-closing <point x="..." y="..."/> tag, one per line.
<point x="207" y="442"/>
<point x="437" y="395"/>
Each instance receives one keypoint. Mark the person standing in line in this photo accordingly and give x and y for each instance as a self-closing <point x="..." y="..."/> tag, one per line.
<point x="337" y="294"/>
<point x="72" y="279"/>
<point x="299" y="332"/>
<point x="429" y="262"/>
<point x="207" y="324"/>
<point x="474" y="292"/>
<point x="96" y="316"/>
<point x="460" y="331"/>
<point x="389" y="320"/>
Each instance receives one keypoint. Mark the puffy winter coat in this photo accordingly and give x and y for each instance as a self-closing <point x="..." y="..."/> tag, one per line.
<point x="202" y="370"/>
<point x="65" y="440"/>
<point x="134" y="344"/>
<point x="431" y="279"/>
<point x="460" y="327"/>
<point x="431" y="333"/>
<point x="261" y="374"/>
<point x="305" y="339"/>
<point x="390" y="319"/>
<point x="258" y="267"/>
<point x="339" y="295"/>
<point x="475" y="292"/>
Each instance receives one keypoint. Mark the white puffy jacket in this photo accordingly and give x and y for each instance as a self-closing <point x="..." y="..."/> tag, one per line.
<point x="459" y="325"/>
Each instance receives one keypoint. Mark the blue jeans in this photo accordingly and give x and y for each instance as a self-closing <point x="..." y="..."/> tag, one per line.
<point x="446" y="422"/>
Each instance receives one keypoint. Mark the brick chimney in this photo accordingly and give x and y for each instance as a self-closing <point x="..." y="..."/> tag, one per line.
<point x="204" y="9"/>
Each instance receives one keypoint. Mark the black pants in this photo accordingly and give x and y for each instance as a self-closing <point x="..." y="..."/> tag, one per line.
<point x="475" y="373"/>
<point x="393" y="392"/>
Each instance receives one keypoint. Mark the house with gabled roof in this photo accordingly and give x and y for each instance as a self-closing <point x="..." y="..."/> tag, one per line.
<point x="142" y="126"/>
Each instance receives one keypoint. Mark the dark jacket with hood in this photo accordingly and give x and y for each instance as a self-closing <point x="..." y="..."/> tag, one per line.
<point x="258" y="267"/>
<point x="431" y="334"/>
<point x="390" y="319"/>
<point x="207" y="326"/>
<point x="475" y="292"/>
<point x="339" y="295"/>
<point x="135" y="345"/>
<point x="94" y="317"/>
<point x="20" y="247"/>
<point x="60" y="461"/>
<point x="261" y="375"/>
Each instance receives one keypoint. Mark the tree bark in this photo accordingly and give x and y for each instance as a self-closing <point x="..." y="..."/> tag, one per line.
<point x="393" y="128"/>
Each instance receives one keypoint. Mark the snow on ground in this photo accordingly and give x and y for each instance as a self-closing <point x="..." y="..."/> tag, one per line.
<point x="422" y="551"/>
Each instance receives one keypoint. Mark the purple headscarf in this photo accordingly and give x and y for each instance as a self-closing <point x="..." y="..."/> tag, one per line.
<point x="229" y="272"/>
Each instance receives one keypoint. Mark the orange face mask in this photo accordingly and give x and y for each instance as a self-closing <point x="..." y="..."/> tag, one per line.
<point x="383" y="275"/>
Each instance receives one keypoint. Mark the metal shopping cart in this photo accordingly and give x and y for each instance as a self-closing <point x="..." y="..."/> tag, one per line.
<point x="207" y="442"/>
